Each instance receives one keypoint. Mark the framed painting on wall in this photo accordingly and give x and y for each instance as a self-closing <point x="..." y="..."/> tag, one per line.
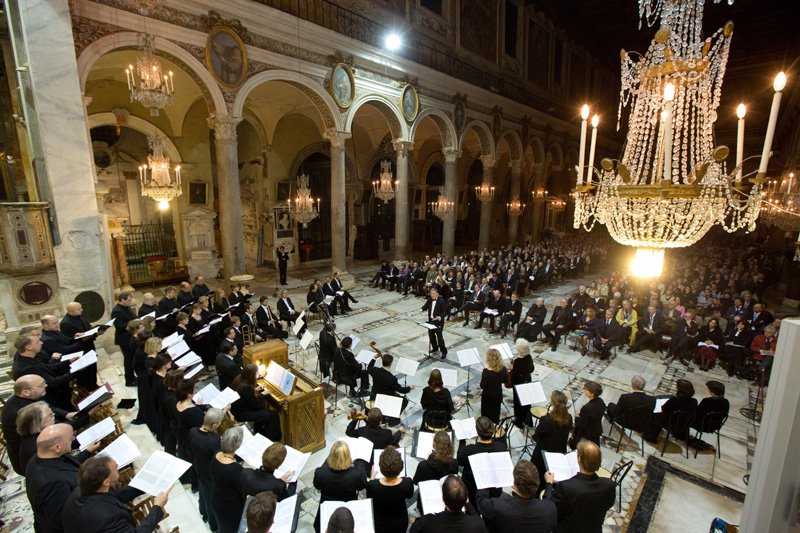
<point x="198" y="193"/>
<point x="409" y="102"/>
<point x="342" y="85"/>
<point x="226" y="57"/>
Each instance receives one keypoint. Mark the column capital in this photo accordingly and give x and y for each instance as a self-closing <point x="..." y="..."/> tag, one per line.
<point x="515" y="166"/>
<point x="224" y="126"/>
<point x="336" y="138"/>
<point x="488" y="161"/>
<point x="401" y="147"/>
<point x="451" y="155"/>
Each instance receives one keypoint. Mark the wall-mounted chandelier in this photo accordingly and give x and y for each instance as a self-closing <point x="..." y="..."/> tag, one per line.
<point x="158" y="181"/>
<point x="539" y="194"/>
<point x="515" y="208"/>
<point x="484" y="192"/>
<point x="303" y="206"/>
<point x="781" y="206"/>
<point x="147" y="84"/>
<point x="383" y="187"/>
<point x="442" y="206"/>
<point x="671" y="184"/>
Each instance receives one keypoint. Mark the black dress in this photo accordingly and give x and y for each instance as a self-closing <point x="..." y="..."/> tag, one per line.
<point x="432" y="468"/>
<point x="228" y="501"/>
<point x="252" y="408"/>
<point x="492" y="393"/>
<point x="436" y="401"/>
<point x="339" y="485"/>
<point x="589" y="424"/>
<point x="162" y="422"/>
<point x="549" y="437"/>
<point x="389" y="505"/>
<point x="189" y="418"/>
<point x="464" y="453"/>
<point x="521" y="373"/>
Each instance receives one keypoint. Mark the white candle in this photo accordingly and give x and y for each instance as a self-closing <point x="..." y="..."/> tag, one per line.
<point x="582" y="151"/>
<point x="590" y="165"/>
<point x="789" y="188"/>
<point x="669" y="96"/>
<point x="778" y="85"/>
<point x="740" y="112"/>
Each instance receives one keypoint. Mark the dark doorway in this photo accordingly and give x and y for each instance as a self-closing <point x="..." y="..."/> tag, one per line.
<point x="467" y="230"/>
<point x="315" y="240"/>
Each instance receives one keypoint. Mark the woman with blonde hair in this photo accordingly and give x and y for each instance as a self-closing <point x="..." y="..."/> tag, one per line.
<point x="339" y="479"/>
<point x="521" y="370"/>
<point x="492" y="380"/>
<point x="552" y="431"/>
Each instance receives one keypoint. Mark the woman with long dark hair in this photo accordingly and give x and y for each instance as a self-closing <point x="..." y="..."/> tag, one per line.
<point x="552" y="432"/>
<point x="158" y="372"/>
<point x="252" y="404"/>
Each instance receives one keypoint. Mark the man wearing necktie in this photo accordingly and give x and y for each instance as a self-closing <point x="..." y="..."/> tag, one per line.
<point x="609" y="334"/>
<point x="287" y="311"/>
<point x="435" y="308"/>
<point x="650" y="333"/>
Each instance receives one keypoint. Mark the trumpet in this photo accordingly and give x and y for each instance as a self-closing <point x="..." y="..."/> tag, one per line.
<point x="248" y="335"/>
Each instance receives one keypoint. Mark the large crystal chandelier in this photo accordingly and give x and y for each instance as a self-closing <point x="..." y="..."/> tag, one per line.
<point x="781" y="206"/>
<point x="515" y="208"/>
<point x="303" y="206"/>
<point x="442" y="206"/>
<point x="158" y="181"/>
<point x="484" y="192"/>
<point x="383" y="187"/>
<point x="671" y="184"/>
<point x="147" y="85"/>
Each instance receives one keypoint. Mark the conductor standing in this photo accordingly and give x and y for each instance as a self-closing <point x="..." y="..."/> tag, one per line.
<point x="283" y="260"/>
<point x="435" y="307"/>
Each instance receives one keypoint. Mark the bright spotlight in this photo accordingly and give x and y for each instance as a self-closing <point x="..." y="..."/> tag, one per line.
<point x="647" y="262"/>
<point x="163" y="205"/>
<point x="393" y="42"/>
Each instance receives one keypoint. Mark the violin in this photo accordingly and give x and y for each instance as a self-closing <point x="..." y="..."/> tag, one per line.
<point x="355" y="415"/>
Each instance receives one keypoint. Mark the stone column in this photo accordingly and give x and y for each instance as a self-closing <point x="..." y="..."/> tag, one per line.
<point x="122" y="263"/>
<point x="401" y="222"/>
<point x="338" y="200"/>
<point x="60" y="147"/>
<point x="486" y="207"/>
<point x="451" y="191"/>
<point x="230" y="202"/>
<point x="513" y="221"/>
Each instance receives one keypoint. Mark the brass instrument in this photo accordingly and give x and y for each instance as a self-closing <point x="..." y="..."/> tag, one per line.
<point x="248" y="335"/>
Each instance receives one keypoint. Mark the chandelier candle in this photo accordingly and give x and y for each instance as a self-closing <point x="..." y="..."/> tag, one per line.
<point x="669" y="96"/>
<point x="740" y="112"/>
<point x="582" y="152"/>
<point x="778" y="85"/>
<point x="590" y="165"/>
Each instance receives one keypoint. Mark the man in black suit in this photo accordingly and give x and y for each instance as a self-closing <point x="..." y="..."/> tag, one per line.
<point x="337" y="284"/>
<point x="380" y="275"/>
<point x="392" y="276"/>
<point x="53" y="341"/>
<point x="530" y="328"/>
<point x="51" y="476"/>
<point x="384" y="382"/>
<point x="523" y="512"/>
<point x="287" y="311"/>
<point x="55" y="373"/>
<point x="510" y="316"/>
<point x="637" y="400"/>
<point x="267" y="321"/>
<point x="580" y="301"/>
<point x="200" y="288"/>
<point x="227" y="366"/>
<point x="329" y="289"/>
<point x="435" y="308"/>
<point x="99" y="504"/>
<point x="283" y="261"/>
<point x="497" y="303"/>
<point x="761" y="318"/>
<point x="166" y="326"/>
<point x="327" y="349"/>
<point x="458" y="515"/>
<point x="148" y="305"/>
<point x="347" y="369"/>
<point x="74" y="323"/>
<point x="583" y="500"/>
<point x="651" y="326"/>
<point x="185" y="296"/>
<point x="122" y="314"/>
<point x="607" y="335"/>
<point x="473" y="301"/>
<point x="560" y="323"/>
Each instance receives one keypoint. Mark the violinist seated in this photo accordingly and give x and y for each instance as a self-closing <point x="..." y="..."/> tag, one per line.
<point x="384" y="382"/>
<point x="372" y="431"/>
<point x="346" y="369"/>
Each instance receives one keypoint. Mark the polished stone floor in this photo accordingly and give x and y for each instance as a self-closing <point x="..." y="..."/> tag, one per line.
<point x="390" y="320"/>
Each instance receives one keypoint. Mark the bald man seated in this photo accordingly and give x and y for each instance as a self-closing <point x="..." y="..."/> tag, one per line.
<point x="52" y="475"/>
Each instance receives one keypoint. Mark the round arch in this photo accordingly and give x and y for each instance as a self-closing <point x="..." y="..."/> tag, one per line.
<point x="198" y="71"/>
<point x="313" y="90"/>
<point x="484" y="136"/>
<point x="557" y="155"/>
<point x="445" y="126"/>
<point x="397" y="124"/>
<point x="537" y="145"/>
<point x="324" y="148"/>
<point x="514" y="142"/>
<point x="142" y="126"/>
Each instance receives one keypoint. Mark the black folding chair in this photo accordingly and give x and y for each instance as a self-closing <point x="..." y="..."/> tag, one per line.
<point x="504" y="428"/>
<point x="634" y="420"/>
<point x="617" y="476"/>
<point x="712" y="423"/>
<point x="679" y="424"/>
<point x="434" y="421"/>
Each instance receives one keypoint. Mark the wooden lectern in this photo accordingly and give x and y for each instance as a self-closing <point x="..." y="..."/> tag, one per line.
<point x="264" y="352"/>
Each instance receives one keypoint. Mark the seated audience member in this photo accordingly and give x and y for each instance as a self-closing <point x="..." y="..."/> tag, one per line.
<point x="440" y="462"/>
<point x="716" y="403"/>
<point x="608" y="335"/>
<point x="436" y="398"/>
<point x="485" y="443"/>
<point x="372" y="431"/>
<point x="453" y="518"/>
<point x="761" y="318"/>
<point x="737" y="344"/>
<point x="389" y="493"/>
<point x="637" y="400"/>
<point x="651" y="326"/>
<point x="763" y="348"/>
<point x="99" y="505"/>
<point x="263" y="479"/>
<point x="628" y="319"/>
<point x="710" y="340"/>
<point x="252" y="404"/>
<point x="552" y="432"/>
<point x="204" y="443"/>
<point x="339" y="479"/>
<point x="347" y="370"/>
<point x="31" y="420"/>
<point x="523" y="511"/>
<point x="341" y="521"/>
<point x="684" y="339"/>
<point x="583" y="500"/>
<point x="261" y="512"/>
<point x="682" y="401"/>
<point x="510" y="317"/>
<point x="560" y="324"/>
<point x="587" y="325"/>
<point x="227" y="501"/>
<point x="589" y="421"/>
<point x="530" y="328"/>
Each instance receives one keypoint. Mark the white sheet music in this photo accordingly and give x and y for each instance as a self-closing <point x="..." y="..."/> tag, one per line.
<point x="89" y="358"/>
<point x="425" y="443"/>
<point x="215" y="321"/>
<point x="659" y="404"/>
<point x="356" y="339"/>
<point x="295" y="462"/>
<point x="298" y="324"/>
<point x="449" y="376"/>
<point x="430" y="496"/>
<point x="530" y="393"/>
<point x="306" y="339"/>
<point x="491" y="312"/>
<point x="252" y="448"/>
<point x="365" y="356"/>
<point x="562" y="465"/>
<point x="151" y="313"/>
<point x="376" y="455"/>
<point x="123" y="450"/>
<point x="188" y="359"/>
<point x="193" y="372"/>
<point x="170" y="340"/>
<point x="428" y="326"/>
<point x="328" y="300"/>
<point x="105" y="388"/>
<point x="228" y="395"/>
<point x="159" y="472"/>
<point x="390" y="406"/>
<point x="205" y="329"/>
<point x="110" y="323"/>
<point x="504" y="349"/>
<point x="96" y="432"/>
<point x="87" y="333"/>
<point x="468" y="357"/>
<point x="284" y="515"/>
<point x="206" y="394"/>
<point x="178" y="349"/>
<point x="406" y="366"/>
<point x="360" y="448"/>
<point x="340" y="293"/>
<point x="361" y="509"/>
<point x="492" y="469"/>
<point x="464" y="429"/>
